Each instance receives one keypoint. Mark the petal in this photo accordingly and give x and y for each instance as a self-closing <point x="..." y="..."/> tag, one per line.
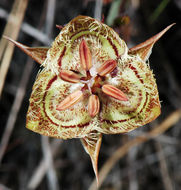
<point x="102" y="41"/>
<point x="43" y="117"/>
<point x="136" y="80"/>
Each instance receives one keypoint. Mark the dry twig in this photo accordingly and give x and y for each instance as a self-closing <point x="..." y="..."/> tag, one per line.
<point x="29" y="29"/>
<point x="12" y="30"/>
<point x="43" y="167"/>
<point x="51" y="4"/>
<point x="15" y="108"/>
<point x="147" y="160"/>
<point x="133" y="183"/>
<point x="2" y="187"/>
<point x="48" y="157"/>
<point x="120" y="152"/>
<point x="163" y="168"/>
<point x="98" y="10"/>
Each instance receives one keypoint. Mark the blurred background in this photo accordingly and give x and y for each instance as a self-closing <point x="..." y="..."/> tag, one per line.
<point x="29" y="161"/>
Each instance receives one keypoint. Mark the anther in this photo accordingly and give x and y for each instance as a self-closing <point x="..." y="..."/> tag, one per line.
<point x="107" y="67"/>
<point x="114" y="92"/>
<point x="70" y="100"/>
<point x="69" y="76"/>
<point x="85" y="56"/>
<point x="93" y="105"/>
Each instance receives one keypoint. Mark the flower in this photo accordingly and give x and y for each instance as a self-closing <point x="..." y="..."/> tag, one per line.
<point x="91" y="84"/>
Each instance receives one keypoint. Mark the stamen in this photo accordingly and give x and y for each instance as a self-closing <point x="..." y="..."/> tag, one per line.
<point x="114" y="92"/>
<point x="85" y="56"/>
<point x="93" y="105"/>
<point x="69" y="76"/>
<point x="107" y="67"/>
<point x="70" y="100"/>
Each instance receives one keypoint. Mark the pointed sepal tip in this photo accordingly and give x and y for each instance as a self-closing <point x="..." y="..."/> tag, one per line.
<point x="144" y="49"/>
<point x="92" y="144"/>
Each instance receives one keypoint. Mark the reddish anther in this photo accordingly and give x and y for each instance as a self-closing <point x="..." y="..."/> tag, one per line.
<point x="85" y="56"/>
<point x="114" y="92"/>
<point x="93" y="105"/>
<point x="69" y="76"/>
<point x="70" y="100"/>
<point x="107" y="67"/>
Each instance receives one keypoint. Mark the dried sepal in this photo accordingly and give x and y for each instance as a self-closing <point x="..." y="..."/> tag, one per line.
<point x="92" y="144"/>
<point x="144" y="49"/>
<point x="39" y="54"/>
<point x="93" y="105"/>
<point x="69" y="76"/>
<point x="85" y="56"/>
<point x="114" y="92"/>
<point x="107" y="67"/>
<point x="70" y="100"/>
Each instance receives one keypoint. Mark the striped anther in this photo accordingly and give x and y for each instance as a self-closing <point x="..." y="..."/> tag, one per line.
<point x="93" y="105"/>
<point x="107" y="67"/>
<point x="70" y="100"/>
<point x="114" y="92"/>
<point x="69" y="76"/>
<point x="85" y="56"/>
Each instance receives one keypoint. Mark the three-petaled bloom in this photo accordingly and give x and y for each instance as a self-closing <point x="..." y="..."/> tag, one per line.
<point x="91" y="84"/>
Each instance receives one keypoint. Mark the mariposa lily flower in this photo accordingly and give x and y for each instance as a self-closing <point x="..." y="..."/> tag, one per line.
<point x="91" y="84"/>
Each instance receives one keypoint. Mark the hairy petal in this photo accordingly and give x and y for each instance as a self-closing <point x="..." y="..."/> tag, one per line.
<point x="44" y="118"/>
<point x="143" y="106"/>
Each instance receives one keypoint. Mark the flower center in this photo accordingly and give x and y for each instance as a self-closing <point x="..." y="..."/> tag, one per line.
<point x="94" y="79"/>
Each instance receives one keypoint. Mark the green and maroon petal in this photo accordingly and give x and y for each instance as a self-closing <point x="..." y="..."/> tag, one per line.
<point x="136" y="81"/>
<point x="102" y="41"/>
<point x="43" y="117"/>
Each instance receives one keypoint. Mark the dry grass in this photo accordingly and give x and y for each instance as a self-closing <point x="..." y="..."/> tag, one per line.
<point x="120" y="152"/>
<point x="12" y="30"/>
